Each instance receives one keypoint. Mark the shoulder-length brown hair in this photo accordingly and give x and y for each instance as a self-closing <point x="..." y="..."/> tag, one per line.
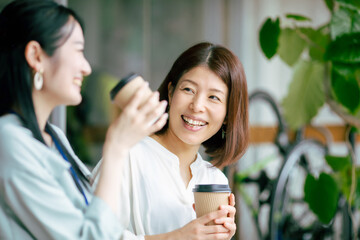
<point x="228" y="67"/>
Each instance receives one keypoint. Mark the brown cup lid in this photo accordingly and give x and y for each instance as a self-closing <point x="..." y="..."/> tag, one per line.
<point x="121" y="84"/>
<point x="211" y="188"/>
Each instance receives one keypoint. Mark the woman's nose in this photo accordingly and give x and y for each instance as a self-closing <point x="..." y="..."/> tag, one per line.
<point x="197" y="104"/>
<point x="86" y="67"/>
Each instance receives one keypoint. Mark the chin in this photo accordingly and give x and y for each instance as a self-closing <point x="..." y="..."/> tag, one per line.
<point x="75" y="102"/>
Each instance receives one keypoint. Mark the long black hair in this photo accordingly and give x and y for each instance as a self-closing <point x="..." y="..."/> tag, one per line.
<point x="23" y="21"/>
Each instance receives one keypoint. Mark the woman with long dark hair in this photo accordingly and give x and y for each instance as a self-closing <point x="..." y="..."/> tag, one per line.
<point x="45" y="190"/>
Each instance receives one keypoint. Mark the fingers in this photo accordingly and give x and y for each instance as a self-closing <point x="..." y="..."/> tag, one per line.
<point x="231" y="216"/>
<point x="137" y="98"/>
<point x="230" y="209"/>
<point x="232" y="200"/>
<point x="212" y="229"/>
<point x="150" y="112"/>
<point x="230" y="226"/>
<point x="159" y="123"/>
<point x="212" y="216"/>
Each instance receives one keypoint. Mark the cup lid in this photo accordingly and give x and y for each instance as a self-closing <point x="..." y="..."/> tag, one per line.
<point x="211" y="188"/>
<point x="121" y="84"/>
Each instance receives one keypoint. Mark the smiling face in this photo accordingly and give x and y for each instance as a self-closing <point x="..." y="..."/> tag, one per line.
<point x="197" y="106"/>
<point x="64" y="71"/>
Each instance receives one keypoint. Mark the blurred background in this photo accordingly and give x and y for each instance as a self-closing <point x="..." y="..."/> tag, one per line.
<point x="146" y="36"/>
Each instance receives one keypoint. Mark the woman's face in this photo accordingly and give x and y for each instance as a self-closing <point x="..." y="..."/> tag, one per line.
<point x="64" y="71"/>
<point x="197" y="106"/>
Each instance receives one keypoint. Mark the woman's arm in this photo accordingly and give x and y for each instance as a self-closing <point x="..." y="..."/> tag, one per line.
<point x="133" y="124"/>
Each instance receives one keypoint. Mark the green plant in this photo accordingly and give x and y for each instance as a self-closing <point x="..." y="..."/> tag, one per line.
<point x="326" y="70"/>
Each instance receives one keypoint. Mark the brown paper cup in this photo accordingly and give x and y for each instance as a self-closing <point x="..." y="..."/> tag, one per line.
<point x="126" y="88"/>
<point x="208" y="198"/>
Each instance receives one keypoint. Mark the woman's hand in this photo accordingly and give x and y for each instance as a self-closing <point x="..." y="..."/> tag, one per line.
<point x="198" y="229"/>
<point x="137" y="121"/>
<point x="229" y="221"/>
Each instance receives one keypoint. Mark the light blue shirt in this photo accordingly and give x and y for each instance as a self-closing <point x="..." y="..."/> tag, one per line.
<point x="38" y="197"/>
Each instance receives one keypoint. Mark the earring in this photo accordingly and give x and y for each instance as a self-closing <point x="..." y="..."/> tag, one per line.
<point x="38" y="80"/>
<point x="223" y="132"/>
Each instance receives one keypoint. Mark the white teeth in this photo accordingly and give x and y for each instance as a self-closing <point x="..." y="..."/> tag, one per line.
<point x="78" y="82"/>
<point x="194" y="122"/>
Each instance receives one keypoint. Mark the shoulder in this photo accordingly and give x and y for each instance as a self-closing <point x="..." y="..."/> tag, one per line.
<point x="19" y="150"/>
<point x="13" y="135"/>
<point x="211" y="173"/>
<point x="11" y="126"/>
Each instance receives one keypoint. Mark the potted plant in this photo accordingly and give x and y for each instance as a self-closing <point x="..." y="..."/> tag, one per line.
<point x="326" y="70"/>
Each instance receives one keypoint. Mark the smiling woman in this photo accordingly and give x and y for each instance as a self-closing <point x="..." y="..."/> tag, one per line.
<point x="42" y="67"/>
<point x="207" y="94"/>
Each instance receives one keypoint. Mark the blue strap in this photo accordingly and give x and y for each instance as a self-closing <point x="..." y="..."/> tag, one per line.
<point x="73" y="173"/>
<point x="76" y="178"/>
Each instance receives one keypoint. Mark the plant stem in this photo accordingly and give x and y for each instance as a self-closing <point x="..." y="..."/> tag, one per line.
<point x="353" y="178"/>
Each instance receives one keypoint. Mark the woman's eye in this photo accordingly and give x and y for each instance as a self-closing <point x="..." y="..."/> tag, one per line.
<point x="186" y="89"/>
<point x="214" y="98"/>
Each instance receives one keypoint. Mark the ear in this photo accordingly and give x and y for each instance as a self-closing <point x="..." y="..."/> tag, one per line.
<point x="170" y="91"/>
<point x="34" y="55"/>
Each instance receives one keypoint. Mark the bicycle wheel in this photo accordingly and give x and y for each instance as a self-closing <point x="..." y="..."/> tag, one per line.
<point x="290" y="216"/>
<point x="254" y="191"/>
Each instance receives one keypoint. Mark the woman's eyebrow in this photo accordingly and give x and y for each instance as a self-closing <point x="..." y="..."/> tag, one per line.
<point x="190" y="81"/>
<point x="211" y="89"/>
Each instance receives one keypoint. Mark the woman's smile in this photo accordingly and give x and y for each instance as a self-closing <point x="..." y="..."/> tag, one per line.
<point x="192" y="123"/>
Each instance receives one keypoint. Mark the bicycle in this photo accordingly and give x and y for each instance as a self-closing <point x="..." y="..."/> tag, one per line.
<point x="290" y="217"/>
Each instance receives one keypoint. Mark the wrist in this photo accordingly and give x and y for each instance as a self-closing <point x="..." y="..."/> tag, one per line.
<point x="114" y="151"/>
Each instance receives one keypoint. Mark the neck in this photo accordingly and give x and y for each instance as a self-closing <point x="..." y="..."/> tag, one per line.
<point x="43" y="110"/>
<point x="185" y="152"/>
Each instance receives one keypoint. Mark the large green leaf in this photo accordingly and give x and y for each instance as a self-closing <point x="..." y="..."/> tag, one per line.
<point x="345" y="85"/>
<point x="291" y="45"/>
<point x="318" y="41"/>
<point x="338" y="163"/>
<point x="322" y="196"/>
<point x="305" y="95"/>
<point x="344" y="49"/>
<point x="268" y="37"/>
<point x="344" y="21"/>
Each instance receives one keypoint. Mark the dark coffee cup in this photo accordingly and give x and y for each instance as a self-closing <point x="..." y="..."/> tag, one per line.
<point x="126" y="88"/>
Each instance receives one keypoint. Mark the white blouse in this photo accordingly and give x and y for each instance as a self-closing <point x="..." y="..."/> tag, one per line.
<point x="154" y="197"/>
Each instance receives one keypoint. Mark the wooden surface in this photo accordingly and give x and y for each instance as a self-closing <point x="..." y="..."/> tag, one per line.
<point x="267" y="134"/>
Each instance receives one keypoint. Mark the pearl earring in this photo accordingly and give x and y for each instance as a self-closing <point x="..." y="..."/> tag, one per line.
<point x="38" y="80"/>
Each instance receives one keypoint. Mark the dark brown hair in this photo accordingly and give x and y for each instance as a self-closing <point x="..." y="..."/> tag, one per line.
<point x="228" y="67"/>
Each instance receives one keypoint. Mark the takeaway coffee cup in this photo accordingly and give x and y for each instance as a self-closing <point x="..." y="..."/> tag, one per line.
<point x="126" y="88"/>
<point x="209" y="197"/>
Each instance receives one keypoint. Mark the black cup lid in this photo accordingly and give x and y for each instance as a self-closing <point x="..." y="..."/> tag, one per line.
<point x="211" y="188"/>
<point x="121" y="84"/>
